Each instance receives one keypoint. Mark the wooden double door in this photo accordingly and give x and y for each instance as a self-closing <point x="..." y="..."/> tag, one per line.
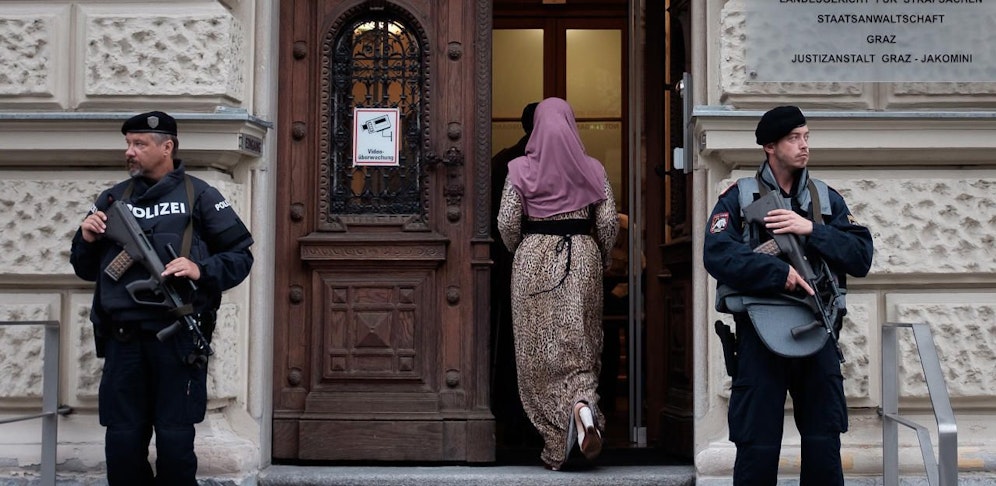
<point x="380" y="315"/>
<point x="382" y="312"/>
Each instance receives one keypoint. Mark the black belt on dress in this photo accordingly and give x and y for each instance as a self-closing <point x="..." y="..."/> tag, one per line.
<point x="559" y="227"/>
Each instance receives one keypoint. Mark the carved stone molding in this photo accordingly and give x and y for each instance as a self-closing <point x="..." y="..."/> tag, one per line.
<point x="223" y="139"/>
<point x="856" y="137"/>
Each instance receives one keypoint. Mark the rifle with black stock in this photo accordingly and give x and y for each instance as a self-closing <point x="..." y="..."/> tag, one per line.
<point x="788" y="244"/>
<point x="123" y="229"/>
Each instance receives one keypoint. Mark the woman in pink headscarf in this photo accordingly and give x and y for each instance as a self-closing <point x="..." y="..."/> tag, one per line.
<point x="558" y="217"/>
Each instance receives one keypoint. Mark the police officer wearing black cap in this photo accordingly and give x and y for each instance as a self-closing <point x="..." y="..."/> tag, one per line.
<point x="150" y="384"/>
<point x="821" y="220"/>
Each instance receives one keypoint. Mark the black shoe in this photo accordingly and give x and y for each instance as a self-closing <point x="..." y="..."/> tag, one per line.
<point x="572" y="435"/>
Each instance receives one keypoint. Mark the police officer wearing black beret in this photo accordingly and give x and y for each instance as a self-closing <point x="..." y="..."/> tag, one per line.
<point x="761" y="377"/>
<point x="151" y="384"/>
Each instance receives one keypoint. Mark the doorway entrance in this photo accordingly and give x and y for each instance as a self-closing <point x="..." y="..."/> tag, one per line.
<point x="382" y="314"/>
<point x="578" y="56"/>
<point x="582" y="52"/>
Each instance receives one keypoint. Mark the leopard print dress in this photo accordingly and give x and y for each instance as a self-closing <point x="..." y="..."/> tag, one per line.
<point x="558" y="332"/>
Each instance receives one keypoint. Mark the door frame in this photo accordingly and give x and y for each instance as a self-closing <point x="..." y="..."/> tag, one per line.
<point x="626" y="16"/>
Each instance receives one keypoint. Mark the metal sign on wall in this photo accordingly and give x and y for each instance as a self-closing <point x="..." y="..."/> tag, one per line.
<point x="375" y="136"/>
<point x="870" y="40"/>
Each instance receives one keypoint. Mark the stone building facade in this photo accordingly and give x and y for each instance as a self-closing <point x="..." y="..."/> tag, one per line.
<point x="74" y="71"/>
<point x="914" y="161"/>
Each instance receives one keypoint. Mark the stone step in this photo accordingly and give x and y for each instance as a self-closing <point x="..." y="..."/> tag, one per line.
<point x="516" y="475"/>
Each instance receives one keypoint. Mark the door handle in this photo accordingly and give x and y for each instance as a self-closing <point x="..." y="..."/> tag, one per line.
<point x="453" y="188"/>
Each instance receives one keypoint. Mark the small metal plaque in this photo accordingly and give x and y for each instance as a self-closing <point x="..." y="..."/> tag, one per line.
<point x="250" y="144"/>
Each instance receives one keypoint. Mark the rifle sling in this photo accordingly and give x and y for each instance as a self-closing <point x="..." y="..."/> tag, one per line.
<point x="189" y="230"/>
<point x="814" y="198"/>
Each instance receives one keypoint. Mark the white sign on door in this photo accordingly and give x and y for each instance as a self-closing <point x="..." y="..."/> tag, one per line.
<point x="376" y="136"/>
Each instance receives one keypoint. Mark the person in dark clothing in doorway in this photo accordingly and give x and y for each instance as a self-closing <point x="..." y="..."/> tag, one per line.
<point x="748" y="277"/>
<point x="514" y="427"/>
<point x="151" y="384"/>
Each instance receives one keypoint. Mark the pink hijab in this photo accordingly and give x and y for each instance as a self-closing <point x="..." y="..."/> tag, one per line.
<point x="556" y="175"/>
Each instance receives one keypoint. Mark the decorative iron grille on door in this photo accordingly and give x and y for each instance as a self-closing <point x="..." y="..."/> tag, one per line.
<point x="374" y="59"/>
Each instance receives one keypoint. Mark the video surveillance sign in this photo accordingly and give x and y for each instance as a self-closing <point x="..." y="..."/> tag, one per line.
<point x="376" y="136"/>
<point x="870" y="40"/>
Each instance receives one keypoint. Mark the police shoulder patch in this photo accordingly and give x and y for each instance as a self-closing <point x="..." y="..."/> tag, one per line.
<point x="719" y="222"/>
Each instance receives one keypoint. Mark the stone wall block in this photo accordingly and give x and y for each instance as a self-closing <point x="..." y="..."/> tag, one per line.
<point x="39" y="219"/>
<point x="185" y="50"/>
<point x="965" y="337"/>
<point x="858" y="340"/>
<point x="977" y="95"/>
<point x="88" y="368"/>
<point x="33" y="53"/>
<point x="232" y="191"/>
<point x="23" y="346"/>
<point x="915" y="219"/>
<point x="859" y="343"/>
<point x="224" y="370"/>
<point x="27" y="56"/>
<point x="226" y="366"/>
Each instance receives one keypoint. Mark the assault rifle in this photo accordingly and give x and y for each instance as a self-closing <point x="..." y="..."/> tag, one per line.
<point x="825" y="284"/>
<point x="123" y="229"/>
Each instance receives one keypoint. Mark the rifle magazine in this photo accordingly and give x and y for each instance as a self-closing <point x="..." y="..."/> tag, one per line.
<point x="119" y="265"/>
<point x="769" y="247"/>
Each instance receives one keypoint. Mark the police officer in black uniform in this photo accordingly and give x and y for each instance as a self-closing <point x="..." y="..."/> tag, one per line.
<point x="762" y="377"/>
<point x="150" y="384"/>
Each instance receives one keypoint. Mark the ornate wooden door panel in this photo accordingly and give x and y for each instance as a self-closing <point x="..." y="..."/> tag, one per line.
<point x="380" y="327"/>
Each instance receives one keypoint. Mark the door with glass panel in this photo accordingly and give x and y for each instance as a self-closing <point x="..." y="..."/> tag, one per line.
<point x="380" y="323"/>
<point x="581" y="56"/>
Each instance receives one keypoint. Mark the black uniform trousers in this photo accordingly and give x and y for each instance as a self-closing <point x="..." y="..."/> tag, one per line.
<point x="757" y="411"/>
<point x="146" y="387"/>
